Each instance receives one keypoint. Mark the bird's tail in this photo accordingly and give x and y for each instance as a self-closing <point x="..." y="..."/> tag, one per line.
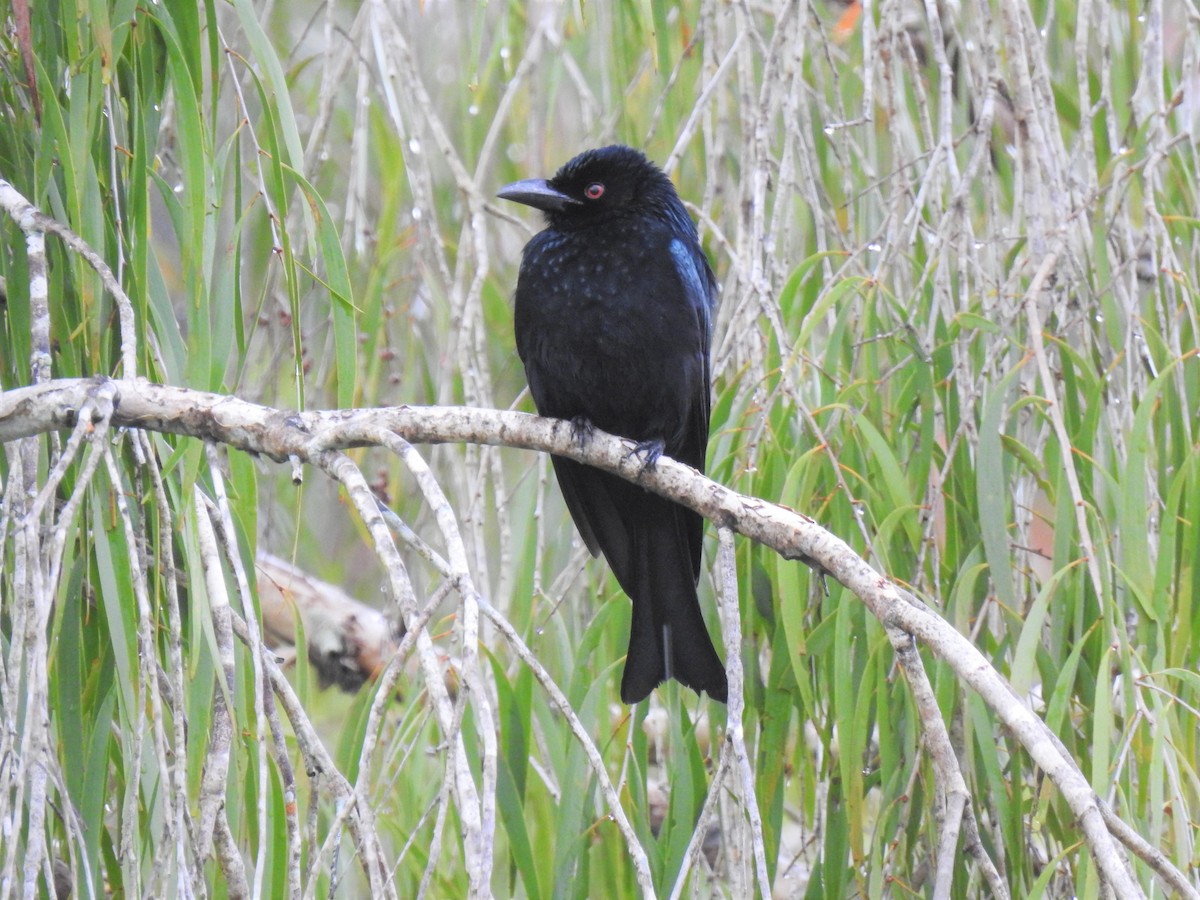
<point x="668" y="638"/>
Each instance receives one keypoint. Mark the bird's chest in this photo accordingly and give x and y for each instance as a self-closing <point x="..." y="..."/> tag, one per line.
<point x="599" y="305"/>
<point x="608" y="333"/>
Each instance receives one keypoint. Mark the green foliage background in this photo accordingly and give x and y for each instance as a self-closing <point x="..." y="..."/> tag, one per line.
<point x="958" y="328"/>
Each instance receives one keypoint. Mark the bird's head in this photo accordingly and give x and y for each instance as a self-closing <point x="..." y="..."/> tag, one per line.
<point x="598" y="185"/>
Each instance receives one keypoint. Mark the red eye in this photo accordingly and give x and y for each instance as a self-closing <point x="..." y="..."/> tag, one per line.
<point x="594" y="191"/>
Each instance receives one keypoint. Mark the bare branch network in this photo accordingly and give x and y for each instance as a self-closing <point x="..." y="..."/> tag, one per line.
<point x="318" y="437"/>
<point x="1080" y="216"/>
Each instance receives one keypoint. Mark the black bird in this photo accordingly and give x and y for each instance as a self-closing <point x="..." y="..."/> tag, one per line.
<point x="613" y="321"/>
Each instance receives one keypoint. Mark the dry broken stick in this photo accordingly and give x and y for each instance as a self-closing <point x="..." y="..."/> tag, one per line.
<point x="348" y="642"/>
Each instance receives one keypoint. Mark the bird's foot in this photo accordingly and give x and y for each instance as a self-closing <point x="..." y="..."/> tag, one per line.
<point x="582" y="429"/>
<point x="648" y="452"/>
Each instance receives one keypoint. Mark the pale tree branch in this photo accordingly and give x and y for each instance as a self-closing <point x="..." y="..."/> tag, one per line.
<point x="958" y="813"/>
<point x="36" y="224"/>
<point x="731" y="628"/>
<point x="456" y="572"/>
<point x="317" y="436"/>
<point x="338" y="466"/>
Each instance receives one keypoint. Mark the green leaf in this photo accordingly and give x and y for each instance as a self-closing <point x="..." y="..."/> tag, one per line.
<point x="1024" y="666"/>
<point x="992" y="491"/>
<point x="345" y="333"/>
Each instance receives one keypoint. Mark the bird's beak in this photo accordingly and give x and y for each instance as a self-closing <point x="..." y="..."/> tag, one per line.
<point x="538" y="193"/>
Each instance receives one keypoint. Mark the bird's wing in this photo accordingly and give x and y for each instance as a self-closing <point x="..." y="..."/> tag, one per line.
<point x="601" y="521"/>
<point x="700" y="289"/>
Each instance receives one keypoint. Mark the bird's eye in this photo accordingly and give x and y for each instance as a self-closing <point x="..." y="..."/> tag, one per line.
<point x="594" y="191"/>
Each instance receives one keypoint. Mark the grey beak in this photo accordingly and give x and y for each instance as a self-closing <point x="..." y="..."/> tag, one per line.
<point x="538" y="193"/>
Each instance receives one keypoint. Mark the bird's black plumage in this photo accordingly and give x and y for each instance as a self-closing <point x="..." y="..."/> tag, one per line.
<point x="613" y="322"/>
